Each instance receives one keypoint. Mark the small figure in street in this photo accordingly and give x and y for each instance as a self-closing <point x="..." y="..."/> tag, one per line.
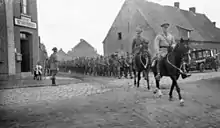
<point x="38" y="71"/>
<point x="54" y="66"/>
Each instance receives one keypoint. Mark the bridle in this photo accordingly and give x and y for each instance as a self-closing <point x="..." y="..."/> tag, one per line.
<point x="179" y="69"/>
<point x="145" y="65"/>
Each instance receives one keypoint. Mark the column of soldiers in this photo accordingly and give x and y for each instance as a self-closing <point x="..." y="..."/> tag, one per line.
<point x="114" y="65"/>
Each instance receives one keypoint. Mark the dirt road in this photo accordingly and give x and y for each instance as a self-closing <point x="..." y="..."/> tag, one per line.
<point x="107" y="102"/>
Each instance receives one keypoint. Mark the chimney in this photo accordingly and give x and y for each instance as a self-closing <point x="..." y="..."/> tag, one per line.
<point x="177" y="4"/>
<point x="214" y="23"/>
<point x="192" y="9"/>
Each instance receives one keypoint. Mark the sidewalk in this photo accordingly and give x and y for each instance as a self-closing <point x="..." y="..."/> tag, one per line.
<point x="30" y="82"/>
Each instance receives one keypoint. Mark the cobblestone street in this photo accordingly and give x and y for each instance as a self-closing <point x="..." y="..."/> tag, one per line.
<point x="113" y="103"/>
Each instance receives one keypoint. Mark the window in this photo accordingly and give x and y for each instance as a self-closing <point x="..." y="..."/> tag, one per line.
<point x="23" y="36"/>
<point x="205" y="53"/>
<point x="208" y="53"/>
<point x="215" y="51"/>
<point x="193" y="55"/>
<point x="199" y="54"/>
<point x="119" y="36"/>
<point x="24" y="6"/>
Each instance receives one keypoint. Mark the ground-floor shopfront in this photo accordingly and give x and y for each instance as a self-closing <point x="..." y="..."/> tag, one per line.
<point x="19" y="46"/>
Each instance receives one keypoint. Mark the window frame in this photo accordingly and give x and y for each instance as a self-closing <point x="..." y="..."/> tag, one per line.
<point x="119" y="35"/>
<point x="24" y="8"/>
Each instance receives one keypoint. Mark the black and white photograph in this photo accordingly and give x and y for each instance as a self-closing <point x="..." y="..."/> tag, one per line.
<point x="109" y="64"/>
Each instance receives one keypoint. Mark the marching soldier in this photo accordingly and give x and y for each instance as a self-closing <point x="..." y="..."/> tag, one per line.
<point x="46" y="67"/>
<point x="121" y="66"/>
<point x="128" y="68"/>
<point x="162" y="42"/>
<point x="54" y="65"/>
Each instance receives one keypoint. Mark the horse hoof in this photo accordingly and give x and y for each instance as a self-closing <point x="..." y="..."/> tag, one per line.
<point x="181" y="102"/>
<point x="160" y="96"/>
<point x="170" y="99"/>
<point x="155" y="91"/>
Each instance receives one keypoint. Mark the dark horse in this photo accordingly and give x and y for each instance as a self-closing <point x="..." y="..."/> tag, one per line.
<point x="170" y="67"/>
<point x="141" y="63"/>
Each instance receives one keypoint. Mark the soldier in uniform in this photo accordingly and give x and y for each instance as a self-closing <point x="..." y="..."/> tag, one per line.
<point x="162" y="42"/>
<point x="138" y="42"/>
<point x="128" y="68"/>
<point x="121" y="66"/>
<point x="54" y="65"/>
<point x="46" y="67"/>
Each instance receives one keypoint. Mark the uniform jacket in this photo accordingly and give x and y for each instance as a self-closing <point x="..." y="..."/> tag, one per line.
<point x="53" y="62"/>
<point x="137" y="41"/>
<point x="161" y="43"/>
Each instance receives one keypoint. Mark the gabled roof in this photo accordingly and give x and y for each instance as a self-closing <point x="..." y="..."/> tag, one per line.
<point x="61" y="52"/>
<point x="78" y="52"/>
<point x="83" y="43"/>
<point x="203" y="25"/>
<point x="157" y="14"/>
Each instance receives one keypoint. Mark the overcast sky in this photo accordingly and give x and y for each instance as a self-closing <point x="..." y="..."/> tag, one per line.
<point x="63" y="22"/>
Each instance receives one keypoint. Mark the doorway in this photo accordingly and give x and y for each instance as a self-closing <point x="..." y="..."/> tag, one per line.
<point x="25" y="51"/>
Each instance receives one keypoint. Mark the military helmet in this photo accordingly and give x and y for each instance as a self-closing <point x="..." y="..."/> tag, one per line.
<point x="165" y="23"/>
<point x="54" y="49"/>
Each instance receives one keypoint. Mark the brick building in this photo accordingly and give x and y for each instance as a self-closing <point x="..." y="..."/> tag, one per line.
<point x="19" y="39"/>
<point x="183" y="23"/>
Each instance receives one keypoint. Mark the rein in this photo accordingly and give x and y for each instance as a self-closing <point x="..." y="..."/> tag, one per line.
<point x="179" y="69"/>
<point x="145" y="65"/>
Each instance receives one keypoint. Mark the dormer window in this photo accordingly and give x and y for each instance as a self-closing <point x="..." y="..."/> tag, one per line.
<point x="119" y="36"/>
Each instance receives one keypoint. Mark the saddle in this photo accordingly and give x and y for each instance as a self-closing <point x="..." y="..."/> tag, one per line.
<point x="154" y="60"/>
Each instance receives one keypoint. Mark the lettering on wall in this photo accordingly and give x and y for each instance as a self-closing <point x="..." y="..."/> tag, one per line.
<point x="25" y="22"/>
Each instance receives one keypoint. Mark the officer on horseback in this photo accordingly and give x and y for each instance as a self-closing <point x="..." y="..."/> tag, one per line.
<point x="138" y="42"/>
<point x="162" y="43"/>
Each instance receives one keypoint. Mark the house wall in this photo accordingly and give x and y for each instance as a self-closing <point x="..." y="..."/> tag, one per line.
<point x="84" y="51"/>
<point x="34" y="39"/>
<point x="3" y="44"/>
<point x="126" y="22"/>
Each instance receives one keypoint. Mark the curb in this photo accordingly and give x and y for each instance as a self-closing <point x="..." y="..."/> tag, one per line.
<point x="34" y="86"/>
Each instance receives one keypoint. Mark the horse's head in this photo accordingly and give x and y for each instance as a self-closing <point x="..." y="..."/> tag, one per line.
<point x="182" y="48"/>
<point x="143" y="47"/>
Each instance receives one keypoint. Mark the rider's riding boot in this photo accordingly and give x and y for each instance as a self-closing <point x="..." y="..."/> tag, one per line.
<point x="185" y="75"/>
<point x="158" y="70"/>
<point x="53" y="81"/>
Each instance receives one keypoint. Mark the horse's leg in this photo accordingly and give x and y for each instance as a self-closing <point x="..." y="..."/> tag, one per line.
<point x="171" y="90"/>
<point x="147" y="79"/>
<point x="139" y="78"/>
<point x="158" y="88"/>
<point x="178" y="90"/>
<point x="135" y="82"/>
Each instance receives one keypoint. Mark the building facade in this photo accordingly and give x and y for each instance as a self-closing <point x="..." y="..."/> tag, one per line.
<point x="83" y="49"/>
<point x="183" y="23"/>
<point x="18" y="37"/>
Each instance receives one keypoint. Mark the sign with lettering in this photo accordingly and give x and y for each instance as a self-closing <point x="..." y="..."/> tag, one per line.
<point x="25" y="22"/>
